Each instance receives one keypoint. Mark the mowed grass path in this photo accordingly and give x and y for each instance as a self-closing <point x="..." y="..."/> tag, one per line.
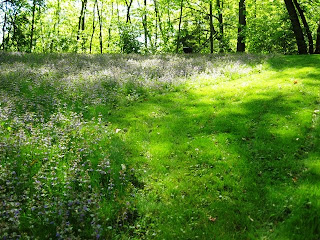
<point x="229" y="159"/>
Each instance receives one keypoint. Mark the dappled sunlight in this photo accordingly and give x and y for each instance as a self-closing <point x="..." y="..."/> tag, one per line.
<point x="223" y="146"/>
<point x="234" y="155"/>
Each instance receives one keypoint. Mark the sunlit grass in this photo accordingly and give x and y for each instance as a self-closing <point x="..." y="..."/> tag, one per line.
<point x="234" y="151"/>
<point x="193" y="147"/>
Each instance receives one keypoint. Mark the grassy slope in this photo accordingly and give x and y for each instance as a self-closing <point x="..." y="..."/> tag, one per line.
<point x="232" y="159"/>
<point x="224" y="156"/>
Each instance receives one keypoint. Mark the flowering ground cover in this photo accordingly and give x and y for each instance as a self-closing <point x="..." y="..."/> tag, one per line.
<point x="159" y="147"/>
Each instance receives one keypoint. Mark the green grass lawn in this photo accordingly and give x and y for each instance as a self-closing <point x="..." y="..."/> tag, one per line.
<point x="173" y="147"/>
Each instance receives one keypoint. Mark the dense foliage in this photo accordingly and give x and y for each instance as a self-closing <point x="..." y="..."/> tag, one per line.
<point x="142" y="26"/>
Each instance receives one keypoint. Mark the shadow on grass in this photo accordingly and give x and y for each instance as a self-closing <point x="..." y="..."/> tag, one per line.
<point x="294" y="61"/>
<point x="228" y="170"/>
<point x="206" y="166"/>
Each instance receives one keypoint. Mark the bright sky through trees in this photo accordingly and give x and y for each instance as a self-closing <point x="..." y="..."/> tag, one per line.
<point x="111" y="26"/>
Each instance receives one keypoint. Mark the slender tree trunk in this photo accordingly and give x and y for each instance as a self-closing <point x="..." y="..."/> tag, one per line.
<point x="221" y="28"/>
<point x="156" y="9"/>
<point x="4" y="45"/>
<point x="58" y="18"/>
<point x="241" y="46"/>
<point x="302" y="46"/>
<point x="211" y="28"/>
<point x="84" y="15"/>
<point x="100" y="26"/>
<point x="306" y="26"/>
<point x="118" y="13"/>
<point x="56" y="30"/>
<point x="169" y="19"/>
<point x="148" y="34"/>
<point x="32" y="25"/>
<point x="199" y="32"/>
<point x="9" y="28"/>
<point x="81" y="24"/>
<point x="129" y="4"/>
<point x="145" y="26"/>
<point x="317" y="51"/>
<point x="57" y="23"/>
<point x="93" y="24"/>
<point x="42" y="32"/>
<point x="156" y="34"/>
<point x="80" y="20"/>
<point x="158" y="17"/>
<point x="4" y="30"/>
<point x="14" y="36"/>
<point x="180" y="21"/>
<point x="119" y="26"/>
<point x="109" y="29"/>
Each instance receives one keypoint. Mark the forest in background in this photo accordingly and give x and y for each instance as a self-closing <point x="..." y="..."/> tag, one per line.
<point x="160" y="26"/>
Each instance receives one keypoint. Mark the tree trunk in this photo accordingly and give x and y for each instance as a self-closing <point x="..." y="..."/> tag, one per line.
<point x="180" y="21"/>
<point x="93" y="24"/>
<point x="221" y="29"/>
<point x="4" y="31"/>
<point x="32" y="25"/>
<point x="84" y="15"/>
<point x="306" y="26"/>
<point x="56" y="26"/>
<point x="156" y="34"/>
<point x="302" y="46"/>
<point x="100" y="26"/>
<point x="81" y="24"/>
<point x="145" y="26"/>
<point x="109" y="30"/>
<point x="163" y="36"/>
<point x="15" y="29"/>
<point x="317" y="51"/>
<point x="241" y="46"/>
<point x="128" y="10"/>
<point x="42" y="32"/>
<point x="118" y="18"/>
<point x="211" y="28"/>
<point x="58" y="16"/>
<point x="170" y="27"/>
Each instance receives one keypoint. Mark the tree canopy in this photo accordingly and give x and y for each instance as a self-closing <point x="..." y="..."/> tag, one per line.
<point x="156" y="26"/>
